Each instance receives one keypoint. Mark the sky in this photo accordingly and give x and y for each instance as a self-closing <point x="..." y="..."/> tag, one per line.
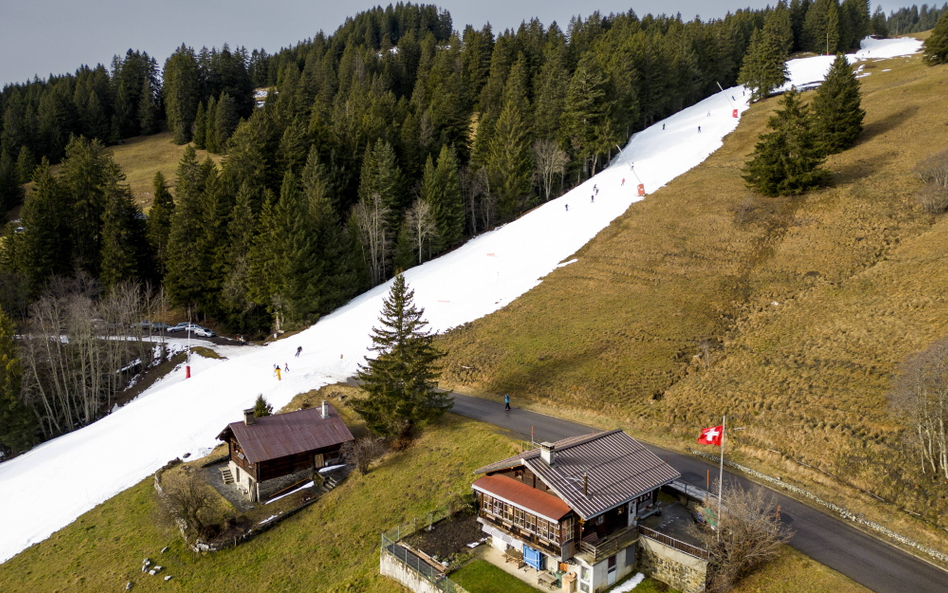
<point x="179" y="416"/>
<point x="44" y="37"/>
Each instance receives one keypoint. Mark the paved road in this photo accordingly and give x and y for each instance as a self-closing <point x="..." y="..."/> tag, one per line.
<point x="830" y="541"/>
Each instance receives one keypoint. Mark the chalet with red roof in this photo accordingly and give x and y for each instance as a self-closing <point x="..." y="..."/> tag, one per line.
<point x="577" y="501"/>
<point x="263" y="450"/>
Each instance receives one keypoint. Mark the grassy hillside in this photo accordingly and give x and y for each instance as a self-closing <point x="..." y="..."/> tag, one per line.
<point x="143" y="156"/>
<point x="790" y="315"/>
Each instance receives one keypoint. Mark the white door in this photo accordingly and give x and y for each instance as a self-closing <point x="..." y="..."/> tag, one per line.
<point x="611" y="574"/>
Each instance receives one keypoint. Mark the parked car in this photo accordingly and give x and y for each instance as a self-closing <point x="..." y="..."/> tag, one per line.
<point x="184" y="326"/>
<point x="204" y="332"/>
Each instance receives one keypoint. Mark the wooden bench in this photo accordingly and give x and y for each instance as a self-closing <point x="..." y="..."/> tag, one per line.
<point x="511" y="555"/>
<point x="545" y="578"/>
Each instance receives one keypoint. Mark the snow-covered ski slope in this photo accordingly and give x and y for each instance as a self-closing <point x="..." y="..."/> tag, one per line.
<point x="48" y="487"/>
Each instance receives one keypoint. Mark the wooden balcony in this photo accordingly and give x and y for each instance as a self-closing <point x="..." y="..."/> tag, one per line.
<point x="523" y="535"/>
<point x="598" y="549"/>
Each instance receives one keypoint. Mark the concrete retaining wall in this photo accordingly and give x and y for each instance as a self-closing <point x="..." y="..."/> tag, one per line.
<point x="393" y="568"/>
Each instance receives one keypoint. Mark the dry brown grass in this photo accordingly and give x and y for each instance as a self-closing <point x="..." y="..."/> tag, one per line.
<point x="143" y="156"/>
<point x="808" y="304"/>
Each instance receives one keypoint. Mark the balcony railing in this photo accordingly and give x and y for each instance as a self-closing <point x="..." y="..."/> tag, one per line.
<point x="674" y="543"/>
<point x="609" y="545"/>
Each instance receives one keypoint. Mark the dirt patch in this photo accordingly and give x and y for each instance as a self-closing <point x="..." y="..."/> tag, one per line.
<point x="449" y="536"/>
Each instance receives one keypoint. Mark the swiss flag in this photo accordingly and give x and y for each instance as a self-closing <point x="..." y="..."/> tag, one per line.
<point x="711" y="436"/>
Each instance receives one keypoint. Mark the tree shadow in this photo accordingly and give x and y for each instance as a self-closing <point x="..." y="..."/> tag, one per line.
<point x="886" y="124"/>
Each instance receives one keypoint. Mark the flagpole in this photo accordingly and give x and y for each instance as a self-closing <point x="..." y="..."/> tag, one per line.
<point x="721" y="474"/>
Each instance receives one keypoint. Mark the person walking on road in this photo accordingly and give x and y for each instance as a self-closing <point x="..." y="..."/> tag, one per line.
<point x="507" y="402"/>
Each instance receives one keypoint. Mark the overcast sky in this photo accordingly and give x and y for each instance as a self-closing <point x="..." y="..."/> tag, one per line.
<point x="43" y="37"/>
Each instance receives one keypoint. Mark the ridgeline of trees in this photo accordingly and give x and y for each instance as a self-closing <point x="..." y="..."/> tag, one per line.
<point x="914" y="19"/>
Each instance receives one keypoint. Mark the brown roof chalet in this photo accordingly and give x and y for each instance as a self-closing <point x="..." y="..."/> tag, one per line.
<point x="614" y="467"/>
<point x="272" y="437"/>
<point x="523" y="496"/>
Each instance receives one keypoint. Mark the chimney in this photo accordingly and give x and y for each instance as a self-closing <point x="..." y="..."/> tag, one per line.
<point x="325" y="409"/>
<point x="249" y="418"/>
<point x="547" y="453"/>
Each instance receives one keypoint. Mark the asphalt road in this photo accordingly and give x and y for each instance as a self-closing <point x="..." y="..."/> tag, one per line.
<point x="828" y="540"/>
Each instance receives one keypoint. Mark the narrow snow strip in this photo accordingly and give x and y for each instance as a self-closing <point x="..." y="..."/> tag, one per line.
<point x="294" y="491"/>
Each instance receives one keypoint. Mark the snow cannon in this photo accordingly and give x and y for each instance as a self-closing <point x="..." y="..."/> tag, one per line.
<point x="641" y="189"/>
<point x="734" y="114"/>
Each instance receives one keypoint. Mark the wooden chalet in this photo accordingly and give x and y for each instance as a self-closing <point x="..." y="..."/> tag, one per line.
<point x="575" y="501"/>
<point x="263" y="450"/>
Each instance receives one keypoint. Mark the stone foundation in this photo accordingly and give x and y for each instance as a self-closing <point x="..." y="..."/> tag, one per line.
<point x="668" y="565"/>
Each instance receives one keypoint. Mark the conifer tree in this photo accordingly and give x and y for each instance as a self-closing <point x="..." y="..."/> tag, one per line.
<point x="124" y="246"/>
<point x="226" y="118"/>
<point x="43" y="248"/>
<point x="935" y="48"/>
<point x="262" y="407"/>
<point x="441" y="188"/>
<point x="210" y="127"/>
<point x="188" y="264"/>
<point x="159" y="222"/>
<point x="786" y="161"/>
<point x="401" y="381"/>
<point x="181" y="93"/>
<point x="765" y="67"/>
<point x="200" y="127"/>
<point x="837" y="111"/>
<point x="510" y="161"/>
<point x="17" y="424"/>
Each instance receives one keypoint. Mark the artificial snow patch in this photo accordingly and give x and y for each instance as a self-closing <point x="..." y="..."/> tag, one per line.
<point x="268" y="519"/>
<point x="630" y="584"/>
<point x="178" y="415"/>
<point x="566" y="263"/>
<point x="306" y="485"/>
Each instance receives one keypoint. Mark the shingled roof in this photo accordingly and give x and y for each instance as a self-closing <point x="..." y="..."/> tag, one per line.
<point x="615" y="467"/>
<point x="272" y="437"/>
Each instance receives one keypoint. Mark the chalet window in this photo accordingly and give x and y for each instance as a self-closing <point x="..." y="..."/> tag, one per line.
<point x="508" y="512"/>
<point x="567" y="530"/>
<point x="498" y="507"/>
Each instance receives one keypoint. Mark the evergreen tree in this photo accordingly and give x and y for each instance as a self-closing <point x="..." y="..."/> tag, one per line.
<point x="935" y="48"/>
<point x="210" y="127"/>
<point x="584" y="115"/>
<point x="449" y="210"/>
<point x="880" y="27"/>
<point x="17" y="424"/>
<point x="765" y="67"/>
<point x="821" y="27"/>
<point x="200" y="127"/>
<point x="510" y="161"/>
<point x="85" y="179"/>
<point x="124" y="245"/>
<point x="262" y="407"/>
<point x="837" y="111"/>
<point x="43" y="248"/>
<point x="226" y="118"/>
<point x="181" y="93"/>
<point x="25" y="163"/>
<point x="400" y="382"/>
<point x="11" y="188"/>
<point x="159" y="222"/>
<point x="188" y="264"/>
<point x="786" y="161"/>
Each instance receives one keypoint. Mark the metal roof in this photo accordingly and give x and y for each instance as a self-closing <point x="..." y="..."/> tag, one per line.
<point x="519" y="494"/>
<point x="615" y="467"/>
<point x="272" y="437"/>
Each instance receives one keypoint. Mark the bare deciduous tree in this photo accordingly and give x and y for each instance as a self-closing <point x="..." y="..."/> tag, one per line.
<point x="481" y="204"/>
<point x="189" y="498"/>
<point x="920" y="395"/>
<point x="78" y="352"/>
<point x="550" y="160"/>
<point x="749" y="533"/>
<point x="369" y="216"/>
<point x="421" y="227"/>
<point x="362" y="452"/>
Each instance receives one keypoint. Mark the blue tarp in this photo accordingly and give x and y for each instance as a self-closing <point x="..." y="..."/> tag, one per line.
<point x="532" y="557"/>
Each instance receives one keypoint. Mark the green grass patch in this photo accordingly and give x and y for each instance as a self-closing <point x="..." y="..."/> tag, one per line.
<point x="480" y="575"/>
